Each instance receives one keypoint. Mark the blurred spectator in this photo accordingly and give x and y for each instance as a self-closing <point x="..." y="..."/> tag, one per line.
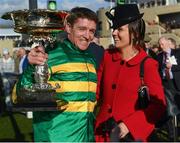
<point x="2" y="103"/>
<point x="96" y="50"/>
<point x="6" y="62"/>
<point x="169" y="67"/>
<point x="22" y="54"/>
<point x="7" y="69"/>
<point x="172" y="43"/>
<point x="147" y="47"/>
<point x="155" y="49"/>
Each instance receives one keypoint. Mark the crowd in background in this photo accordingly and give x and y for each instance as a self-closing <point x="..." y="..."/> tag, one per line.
<point x="11" y="66"/>
<point x="13" y="63"/>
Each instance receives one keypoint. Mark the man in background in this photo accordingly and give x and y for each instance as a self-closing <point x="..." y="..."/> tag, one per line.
<point x="96" y="50"/>
<point x="169" y="68"/>
<point x="22" y="54"/>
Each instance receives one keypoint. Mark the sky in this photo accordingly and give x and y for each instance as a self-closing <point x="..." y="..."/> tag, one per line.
<point x="12" y="5"/>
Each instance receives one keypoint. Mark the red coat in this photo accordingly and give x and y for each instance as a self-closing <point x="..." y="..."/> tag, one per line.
<point x="120" y="82"/>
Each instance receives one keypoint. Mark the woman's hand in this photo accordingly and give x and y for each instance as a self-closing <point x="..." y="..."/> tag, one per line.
<point x="37" y="56"/>
<point x="123" y="130"/>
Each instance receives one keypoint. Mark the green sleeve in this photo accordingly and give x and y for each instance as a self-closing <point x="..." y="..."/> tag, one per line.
<point x="26" y="79"/>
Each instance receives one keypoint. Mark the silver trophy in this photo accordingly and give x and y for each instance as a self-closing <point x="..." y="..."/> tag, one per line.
<point x="42" y="25"/>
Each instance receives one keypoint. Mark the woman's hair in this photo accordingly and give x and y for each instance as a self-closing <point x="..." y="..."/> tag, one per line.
<point x="137" y="29"/>
<point x="81" y="12"/>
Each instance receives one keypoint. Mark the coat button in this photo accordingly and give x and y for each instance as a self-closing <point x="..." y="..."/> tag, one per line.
<point x="114" y="86"/>
<point x="122" y="63"/>
<point x="109" y="108"/>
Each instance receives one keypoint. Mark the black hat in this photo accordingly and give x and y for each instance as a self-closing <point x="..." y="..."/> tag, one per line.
<point x="124" y="14"/>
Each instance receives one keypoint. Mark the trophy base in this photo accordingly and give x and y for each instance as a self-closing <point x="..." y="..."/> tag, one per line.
<point x="39" y="93"/>
<point x="42" y="86"/>
<point x="34" y="107"/>
<point x="41" y="97"/>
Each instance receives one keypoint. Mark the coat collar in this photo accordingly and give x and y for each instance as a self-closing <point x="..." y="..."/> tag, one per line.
<point x="135" y="60"/>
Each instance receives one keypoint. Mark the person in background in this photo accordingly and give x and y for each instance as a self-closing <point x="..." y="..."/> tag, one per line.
<point x="22" y="54"/>
<point x="148" y="49"/>
<point x="73" y="68"/>
<point x="169" y="61"/>
<point x="155" y="49"/>
<point x="96" y="50"/>
<point x="169" y="69"/>
<point x="2" y="102"/>
<point x="6" y="62"/>
<point x="7" y="68"/>
<point x="120" y="117"/>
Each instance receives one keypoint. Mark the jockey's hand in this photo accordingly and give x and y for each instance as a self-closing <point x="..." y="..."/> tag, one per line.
<point x="37" y="56"/>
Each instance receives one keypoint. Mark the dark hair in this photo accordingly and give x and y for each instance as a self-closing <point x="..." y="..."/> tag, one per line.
<point x="81" y="12"/>
<point x="137" y="28"/>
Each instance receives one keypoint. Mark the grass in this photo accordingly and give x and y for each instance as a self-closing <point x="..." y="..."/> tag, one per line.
<point x="15" y="127"/>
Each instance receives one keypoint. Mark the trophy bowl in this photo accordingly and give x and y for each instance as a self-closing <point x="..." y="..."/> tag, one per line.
<point x="19" y="19"/>
<point x="36" y="21"/>
<point x="42" y="25"/>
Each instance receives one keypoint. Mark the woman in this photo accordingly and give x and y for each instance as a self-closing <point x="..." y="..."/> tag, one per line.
<point x="119" y="117"/>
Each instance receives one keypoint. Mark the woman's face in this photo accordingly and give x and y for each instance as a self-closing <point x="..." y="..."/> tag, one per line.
<point x="121" y="37"/>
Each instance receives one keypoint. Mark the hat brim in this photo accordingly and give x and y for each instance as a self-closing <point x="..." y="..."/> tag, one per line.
<point x="118" y="23"/>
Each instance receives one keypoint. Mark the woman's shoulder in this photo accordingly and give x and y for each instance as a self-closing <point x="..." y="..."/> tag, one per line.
<point x="150" y="63"/>
<point x="112" y="54"/>
<point x="111" y="51"/>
